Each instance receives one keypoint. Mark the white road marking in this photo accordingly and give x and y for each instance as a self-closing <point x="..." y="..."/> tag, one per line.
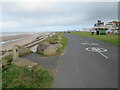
<point x="94" y="44"/>
<point x="87" y="42"/>
<point x="93" y="49"/>
<point x="84" y="43"/>
<point x="99" y="50"/>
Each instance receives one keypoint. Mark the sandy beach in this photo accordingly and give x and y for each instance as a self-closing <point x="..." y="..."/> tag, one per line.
<point x="6" y="38"/>
<point x="20" y="40"/>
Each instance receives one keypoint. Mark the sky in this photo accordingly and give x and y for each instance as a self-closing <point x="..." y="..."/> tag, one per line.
<point x="54" y="16"/>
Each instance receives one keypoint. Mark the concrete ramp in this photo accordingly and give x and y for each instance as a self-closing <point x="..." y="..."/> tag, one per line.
<point x="34" y="48"/>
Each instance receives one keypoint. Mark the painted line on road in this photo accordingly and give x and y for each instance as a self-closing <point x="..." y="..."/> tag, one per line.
<point x="95" y="49"/>
<point x="94" y="44"/>
<point x="84" y="43"/>
<point x="99" y="51"/>
<point x="87" y="42"/>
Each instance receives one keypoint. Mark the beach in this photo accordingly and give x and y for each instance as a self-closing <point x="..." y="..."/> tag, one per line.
<point x="6" y="38"/>
<point x="7" y="42"/>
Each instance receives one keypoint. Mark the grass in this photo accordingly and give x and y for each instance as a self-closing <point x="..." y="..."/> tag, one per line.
<point x="64" y="44"/>
<point x="64" y="41"/>
<point x="8" y="58"/>
<point x="110" y="38"/>
<point x="0" y="80"/>
<point x="53" y="39"/>
<point x="22" y="77"/>
<point x="6" y="61"/>
<point x="61" y="32"/>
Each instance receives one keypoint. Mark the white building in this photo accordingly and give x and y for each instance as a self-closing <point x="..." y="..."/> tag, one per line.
<point x="113" y="27"/>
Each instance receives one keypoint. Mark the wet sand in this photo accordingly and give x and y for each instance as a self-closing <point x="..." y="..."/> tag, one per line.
<point x="6" y="38"/>
<point x="27" y="38"/>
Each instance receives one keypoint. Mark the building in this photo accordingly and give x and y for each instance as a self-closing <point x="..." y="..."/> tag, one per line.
<point x="113" y="27"/>
<point x="100" y="28"/>
<point x="109" y="27"/>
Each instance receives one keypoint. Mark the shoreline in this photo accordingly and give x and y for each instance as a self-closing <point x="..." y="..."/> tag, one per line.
<point x="17" y="40"/>
<point x="7" y="38"/>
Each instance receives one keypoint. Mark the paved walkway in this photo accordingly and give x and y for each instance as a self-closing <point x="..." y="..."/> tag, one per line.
<point x="81" y="68"/>
<point x="48" y="63"/>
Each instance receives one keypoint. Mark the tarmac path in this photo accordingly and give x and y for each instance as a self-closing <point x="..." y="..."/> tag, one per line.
<point x="87" y="63"/>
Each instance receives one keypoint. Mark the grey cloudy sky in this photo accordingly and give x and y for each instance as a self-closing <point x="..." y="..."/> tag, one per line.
<point x="55" y="16"/>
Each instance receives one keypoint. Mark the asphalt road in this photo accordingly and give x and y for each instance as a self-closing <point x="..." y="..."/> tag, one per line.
<point x="79" y="68"/>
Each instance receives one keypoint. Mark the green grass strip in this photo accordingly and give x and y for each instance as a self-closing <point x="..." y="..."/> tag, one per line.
<point x="110" y="38"/>
<point x="64" y="42"/>
<point x="23" y="77"/>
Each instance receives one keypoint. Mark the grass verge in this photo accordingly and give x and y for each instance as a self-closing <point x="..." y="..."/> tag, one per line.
<point x="64" y="44"/>
<point x="22" y="77"/>
<point x="53" y="40"/>
<point x="110" y="38"/>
